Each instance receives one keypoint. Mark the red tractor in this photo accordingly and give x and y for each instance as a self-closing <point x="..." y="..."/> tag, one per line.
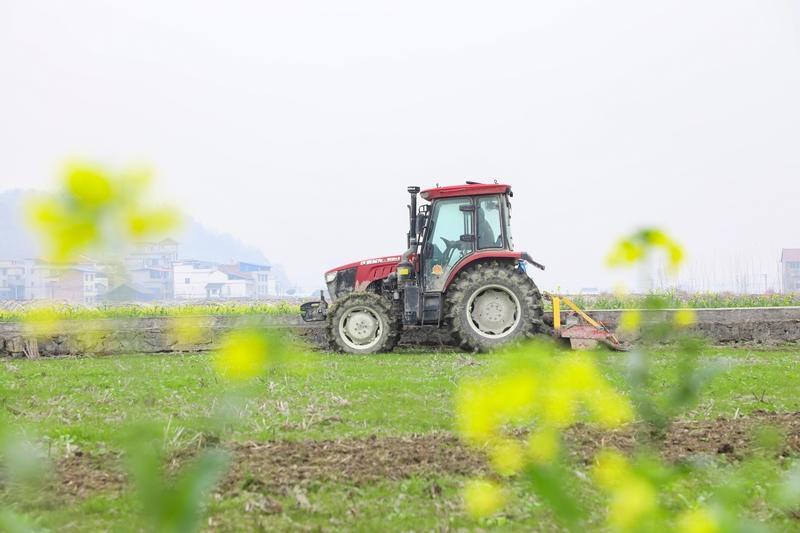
<point x="460" y="272"/>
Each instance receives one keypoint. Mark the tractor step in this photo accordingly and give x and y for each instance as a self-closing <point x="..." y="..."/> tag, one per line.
<point x="582" y="336"/>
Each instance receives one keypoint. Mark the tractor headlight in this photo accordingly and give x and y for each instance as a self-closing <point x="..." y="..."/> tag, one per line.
<point x="330" y="277"/>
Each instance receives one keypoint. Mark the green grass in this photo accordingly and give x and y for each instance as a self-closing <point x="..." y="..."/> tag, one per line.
<point x="68" y="312"/>
<point x="675" y="299"/>
<point x="87" y="402"/>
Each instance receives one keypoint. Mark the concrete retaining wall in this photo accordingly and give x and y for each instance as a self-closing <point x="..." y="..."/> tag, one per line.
<point x="769" y="326"/>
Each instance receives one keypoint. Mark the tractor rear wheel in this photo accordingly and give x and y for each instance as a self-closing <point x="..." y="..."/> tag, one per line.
<point x="363" y="322"/>
<point x="492" y="304"/>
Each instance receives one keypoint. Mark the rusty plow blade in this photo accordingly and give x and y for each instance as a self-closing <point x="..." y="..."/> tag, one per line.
<point x="582" y="330"/>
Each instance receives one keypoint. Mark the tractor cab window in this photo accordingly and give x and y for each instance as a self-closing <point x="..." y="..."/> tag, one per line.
<point x="509" y="238"/>
<point x="450" y="238"/>
<point x="490" y="232"/>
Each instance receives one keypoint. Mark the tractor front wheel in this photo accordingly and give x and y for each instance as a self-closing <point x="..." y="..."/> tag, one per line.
<point x="492" y="304"/>
<point x="363" y="322"/>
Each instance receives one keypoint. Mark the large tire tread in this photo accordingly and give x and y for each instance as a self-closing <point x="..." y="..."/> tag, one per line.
<point x="379" y="304"/>
<point x="502" y="273"/>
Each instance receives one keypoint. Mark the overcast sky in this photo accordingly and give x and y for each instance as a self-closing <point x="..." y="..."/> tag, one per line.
<point x="296" y="126"/>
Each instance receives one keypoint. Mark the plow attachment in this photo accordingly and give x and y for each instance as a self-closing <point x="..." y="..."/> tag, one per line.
<point x="582" y="330"/>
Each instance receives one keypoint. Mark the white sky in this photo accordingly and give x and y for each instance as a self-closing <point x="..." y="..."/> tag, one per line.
<point x="296" y="126"/>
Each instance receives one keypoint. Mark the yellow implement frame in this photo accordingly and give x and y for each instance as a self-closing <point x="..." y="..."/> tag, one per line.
<point x="601" y="331"/>
<point x="557" y="299"/>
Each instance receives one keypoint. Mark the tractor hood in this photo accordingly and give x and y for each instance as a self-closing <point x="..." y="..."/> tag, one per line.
<point x="358" y="275"/>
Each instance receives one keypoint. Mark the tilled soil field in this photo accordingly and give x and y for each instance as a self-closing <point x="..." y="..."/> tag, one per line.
<point x="282" y="466"/>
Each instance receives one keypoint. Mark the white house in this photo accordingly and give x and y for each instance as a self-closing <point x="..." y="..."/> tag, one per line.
<point x="39" y="279"/>
<point x="150" y="267"/>
<point x="12" y="280"/>
<point x="196" y="280"/>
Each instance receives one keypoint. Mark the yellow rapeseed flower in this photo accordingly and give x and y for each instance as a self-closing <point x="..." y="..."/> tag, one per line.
<point x="188" y="329"/>
<point x="543" y="446"/>
<point x="154" y="221"/>
<point x="684" y="318"/>
<point x="88" y="184"/>
<point x="578" y="373"/>
<point x="244" y="355"/>
<point x="475" y="417"/>
<point x="96" y="210"/>
<point x="698" y="520"/>
<point x="483" y="498"/>
<point x="636" y="247"/>
<point x="514" y="394"/>
<point x="609" y="408"/>
<point x="611" y="469"/>
<point x="507" y="456"/>
<point x="629" y="320"/>
<point x="632" y="498"/>
<point x="625" y="252"/>
<point x="631" y="503"/>
<point x="559" y="407"/>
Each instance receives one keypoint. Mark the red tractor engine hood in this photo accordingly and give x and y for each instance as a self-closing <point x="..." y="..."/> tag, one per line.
<point x="358" y="275"/>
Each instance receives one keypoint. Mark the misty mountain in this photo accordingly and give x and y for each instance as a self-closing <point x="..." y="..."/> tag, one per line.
<point x="196" y="241"/>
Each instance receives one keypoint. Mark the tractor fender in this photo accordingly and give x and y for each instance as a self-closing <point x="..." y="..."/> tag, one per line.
<point x="488" y="255"/>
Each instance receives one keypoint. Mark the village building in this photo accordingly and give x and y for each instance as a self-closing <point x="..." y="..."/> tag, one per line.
<point x="790" y="270"/>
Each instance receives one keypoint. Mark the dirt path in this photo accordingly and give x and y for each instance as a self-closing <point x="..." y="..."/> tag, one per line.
<point x="282" y="465"/>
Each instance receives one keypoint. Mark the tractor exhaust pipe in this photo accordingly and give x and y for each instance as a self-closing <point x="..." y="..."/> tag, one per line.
<point x="413" y="190"/>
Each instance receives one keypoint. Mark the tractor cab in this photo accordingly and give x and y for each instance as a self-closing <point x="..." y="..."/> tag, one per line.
<point x="462" y="225"/>
<point x="460" y="221"/>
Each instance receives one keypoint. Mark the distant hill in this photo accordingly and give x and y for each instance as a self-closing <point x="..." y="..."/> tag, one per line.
<point x="196" y="241"/>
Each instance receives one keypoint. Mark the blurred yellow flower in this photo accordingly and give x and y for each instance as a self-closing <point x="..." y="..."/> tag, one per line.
<point x="629" y="320"/>
<point x="559" y="407"/>
<point x="154" y="221"/>
<point x="698" y="520"/>
<point x="88" y="184"/>
<point x="515" y="393"/>
<point x="543" y="446"/>
<point x="475" y="418"/>
<point x="95" y="209"/>
<point x="631" y="503"/>
<point x="578" y="373"/>
<point x="636" y="247"/>
<point x="507" y="457"/>
<point x="632" y="498"/>
<point x="685" y="318"/>
<point x="609" y="408"/>
<point x="188" y="329"/>
<point x="41" y="322"/>
<point x="244" y="355"/>
<point x="534" y="386"/>
<point x="610" y="469"/>
<point x="625" y="252"/>
<point x="483" y="498"/>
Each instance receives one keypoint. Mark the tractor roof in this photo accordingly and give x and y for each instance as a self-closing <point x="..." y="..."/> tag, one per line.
<point x="468" y="189"/>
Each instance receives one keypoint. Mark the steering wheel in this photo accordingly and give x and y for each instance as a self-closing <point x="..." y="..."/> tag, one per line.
<point x="449" y="248"/>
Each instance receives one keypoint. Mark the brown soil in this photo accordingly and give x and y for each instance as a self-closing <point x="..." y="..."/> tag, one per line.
<point x="284" y="465"/>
